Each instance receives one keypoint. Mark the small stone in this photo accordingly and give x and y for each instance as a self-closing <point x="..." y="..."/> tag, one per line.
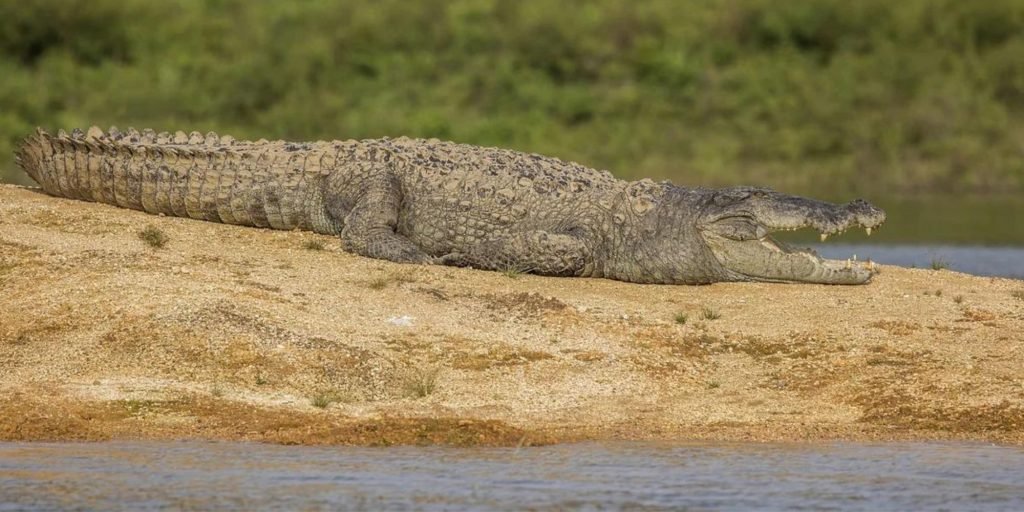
<point x="401" y="321"/>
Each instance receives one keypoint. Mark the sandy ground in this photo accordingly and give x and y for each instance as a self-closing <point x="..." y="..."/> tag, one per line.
<point x="239" y="333"/>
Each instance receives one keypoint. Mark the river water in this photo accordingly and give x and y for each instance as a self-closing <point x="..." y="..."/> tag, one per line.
<point x="632" y="475"/>
<point x="978" y="260"/>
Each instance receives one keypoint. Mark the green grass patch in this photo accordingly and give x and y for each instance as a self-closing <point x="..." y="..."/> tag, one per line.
<point x="314" y="245"/>
<point x="420" y="383"/>
<point x="153" y="237"/>
<point x="322" y="400"/>
<point x="708" y="313"/>
<point x="512" y="272"/>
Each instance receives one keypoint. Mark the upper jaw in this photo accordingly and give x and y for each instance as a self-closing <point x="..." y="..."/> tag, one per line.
<point x="828" y="221"/>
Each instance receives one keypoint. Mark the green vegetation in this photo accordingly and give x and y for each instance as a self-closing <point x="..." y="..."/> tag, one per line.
<point x="826" y="96"/>
<point x="322" y="400"/>
<point x="939" y="263"/>
<point x="153" y="237"/>
<point x="314" y="245"/>
<point x="378" y="283"/>
<point x="420" y="383"/>
<point x="512" y="272"/>
<point x="710" y="314"/>
<point x="396" y="277"/>
<point x="681" y="318"/>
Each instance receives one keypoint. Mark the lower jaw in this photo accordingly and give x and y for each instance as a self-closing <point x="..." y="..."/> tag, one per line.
<point x="776" y="261"/>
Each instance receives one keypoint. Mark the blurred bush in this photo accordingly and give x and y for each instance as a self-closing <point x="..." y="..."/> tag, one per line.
<point x="831" y="96"/>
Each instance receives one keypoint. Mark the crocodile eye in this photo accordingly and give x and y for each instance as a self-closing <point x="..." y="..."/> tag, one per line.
<point x="738" y="228"/>
<point x="727" y="197"/>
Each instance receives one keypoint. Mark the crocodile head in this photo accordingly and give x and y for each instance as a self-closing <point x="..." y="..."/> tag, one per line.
<point x="736" y="226"/>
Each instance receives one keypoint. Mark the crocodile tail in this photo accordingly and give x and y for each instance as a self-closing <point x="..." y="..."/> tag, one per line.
<point x="60" y="163"/>
<point x="29" y="155"/>
<point x="185" y="175"/>
<point x="161" y="174"/>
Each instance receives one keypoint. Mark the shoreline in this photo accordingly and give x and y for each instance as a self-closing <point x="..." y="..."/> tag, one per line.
<point x="236" y="333"/>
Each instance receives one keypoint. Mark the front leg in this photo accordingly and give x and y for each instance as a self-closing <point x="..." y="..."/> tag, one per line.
<point x="536" y="252"/>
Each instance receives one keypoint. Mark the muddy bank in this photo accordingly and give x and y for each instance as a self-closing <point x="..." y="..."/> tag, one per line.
<point x="237" y="333"/>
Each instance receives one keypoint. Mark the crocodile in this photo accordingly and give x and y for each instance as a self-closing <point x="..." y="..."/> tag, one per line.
<point x="436" y="202"/>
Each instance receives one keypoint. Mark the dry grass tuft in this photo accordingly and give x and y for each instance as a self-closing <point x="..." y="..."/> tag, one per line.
<point x="420" y="383"/>
<point x="377" y="283"/>
<point x="395" y="277"/>
<point x="708" y="313"/>
<point x="153" y="237"/>
<point x="321" y="400"/>
<point x="314" y="245"/>
<point x="512" y="272"/>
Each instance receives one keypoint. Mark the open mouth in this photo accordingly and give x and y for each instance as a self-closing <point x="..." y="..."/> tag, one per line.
<point x="743" y="244"/>
<point x="773" y="244"/>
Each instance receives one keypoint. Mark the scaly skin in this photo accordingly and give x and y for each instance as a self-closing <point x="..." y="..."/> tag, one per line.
<point x="427" y="201"/>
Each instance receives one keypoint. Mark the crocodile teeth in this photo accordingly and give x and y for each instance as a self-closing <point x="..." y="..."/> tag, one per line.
<point x="824" y="236"/>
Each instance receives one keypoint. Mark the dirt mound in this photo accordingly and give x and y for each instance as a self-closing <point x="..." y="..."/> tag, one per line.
<point x="196" y="329"/>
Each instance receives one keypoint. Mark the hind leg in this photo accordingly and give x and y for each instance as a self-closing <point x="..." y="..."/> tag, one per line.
<point x="369" y="225"/>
